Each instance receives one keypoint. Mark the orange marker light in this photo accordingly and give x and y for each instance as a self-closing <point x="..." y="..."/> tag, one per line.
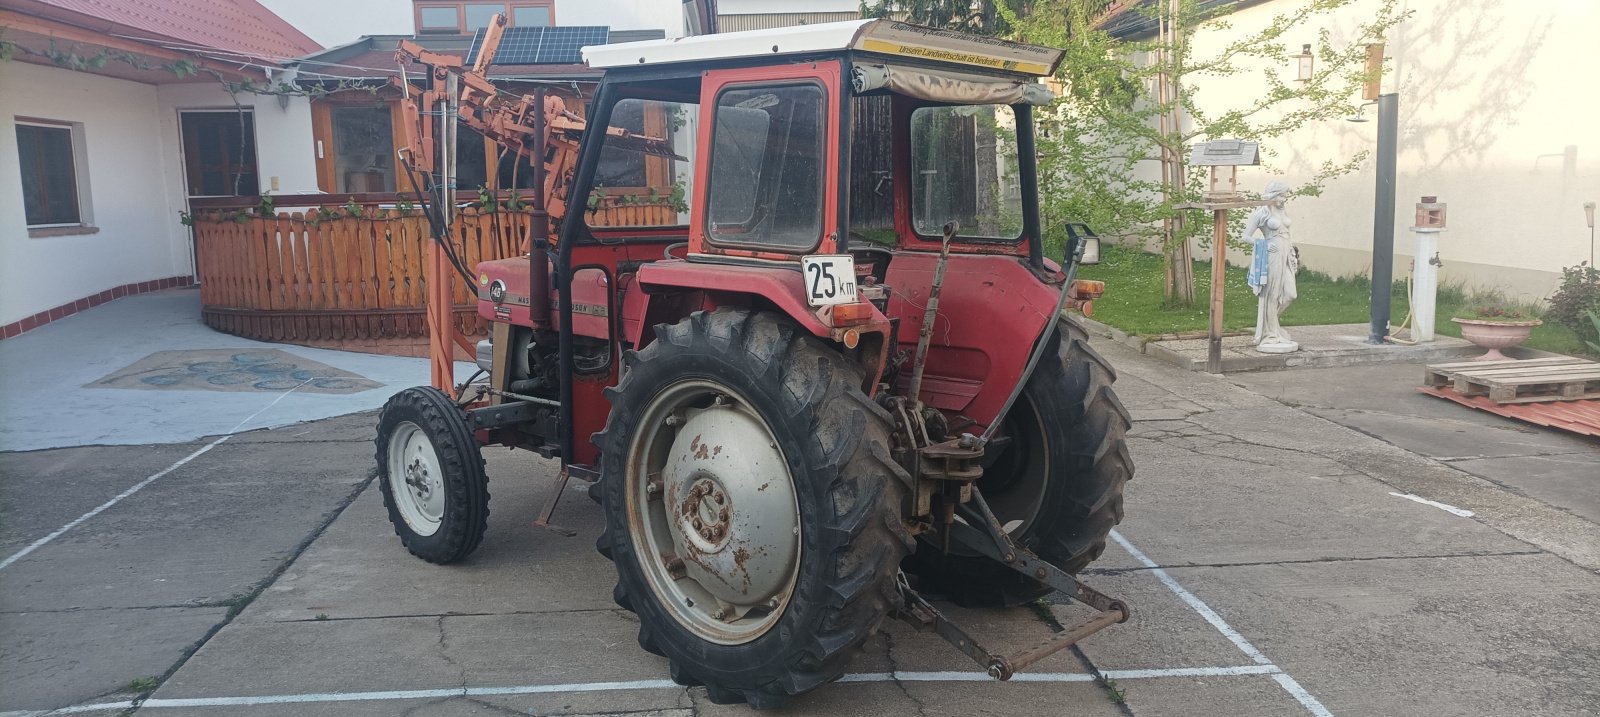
<point x="852" y="339"/>
<point x="1087" y="289"/>
<point x="852" y="314"/>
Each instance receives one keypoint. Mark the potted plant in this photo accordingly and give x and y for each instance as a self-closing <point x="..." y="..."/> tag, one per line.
<point x="1495" y="327"/>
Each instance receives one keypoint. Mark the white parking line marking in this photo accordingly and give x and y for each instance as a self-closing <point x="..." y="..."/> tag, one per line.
<point x="35" y="545"/>
<point x="859" y="677"/>
<point x="1282" y="678"/>
<point x="1463" y="512"/>
<point x="1311" y="703"/>
<point x="1190" y="672"/>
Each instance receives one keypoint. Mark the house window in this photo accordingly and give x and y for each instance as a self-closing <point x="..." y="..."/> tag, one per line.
<point x="54" y="176"/>
<point x="441" y="16"/>
<point x="531" y="16"/>
<point x="363" y="148"/>
<point x="219" y="153"/>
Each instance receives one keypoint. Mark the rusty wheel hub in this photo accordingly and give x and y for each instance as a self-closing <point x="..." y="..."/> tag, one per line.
<point x="714" y="514"/>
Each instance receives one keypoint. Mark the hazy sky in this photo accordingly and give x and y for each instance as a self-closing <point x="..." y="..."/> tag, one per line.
<point x="336" y="22"/>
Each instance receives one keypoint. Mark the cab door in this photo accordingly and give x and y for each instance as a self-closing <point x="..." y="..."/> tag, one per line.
<point x="771" y="179"/>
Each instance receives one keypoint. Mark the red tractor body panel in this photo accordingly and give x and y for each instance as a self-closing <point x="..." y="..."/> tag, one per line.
<point x="725" y="284"/>
<point x="987" y="302"/>
<point x="591" y="298"/>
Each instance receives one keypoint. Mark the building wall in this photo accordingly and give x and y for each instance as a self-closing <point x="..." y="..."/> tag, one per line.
<point x="131" y="167"/>
<point x="1498" y="117"/>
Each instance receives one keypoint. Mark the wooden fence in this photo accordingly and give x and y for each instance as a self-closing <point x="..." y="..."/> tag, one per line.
<point x="344" y="274"/>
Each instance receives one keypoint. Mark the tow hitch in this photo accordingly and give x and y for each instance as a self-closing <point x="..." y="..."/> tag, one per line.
<point x="922" y="615"/>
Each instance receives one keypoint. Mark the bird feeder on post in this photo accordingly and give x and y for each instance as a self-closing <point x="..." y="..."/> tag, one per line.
<point x="1218" y="199"/>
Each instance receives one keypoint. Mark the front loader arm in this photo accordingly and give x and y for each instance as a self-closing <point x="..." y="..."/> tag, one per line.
<point x="505" y="118"/>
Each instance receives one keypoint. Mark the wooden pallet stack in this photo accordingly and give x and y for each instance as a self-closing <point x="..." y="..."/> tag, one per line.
<point x="1558" y="392"/>
<point x="1560" y="378"/>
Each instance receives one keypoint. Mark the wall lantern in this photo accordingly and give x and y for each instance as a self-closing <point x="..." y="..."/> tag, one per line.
<point x="1304" y="60"/>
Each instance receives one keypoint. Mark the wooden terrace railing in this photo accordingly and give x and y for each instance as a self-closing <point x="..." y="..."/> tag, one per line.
<point x="347" y="267"/>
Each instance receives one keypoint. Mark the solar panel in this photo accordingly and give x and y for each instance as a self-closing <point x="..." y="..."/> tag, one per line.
<point x="542" y="45"/>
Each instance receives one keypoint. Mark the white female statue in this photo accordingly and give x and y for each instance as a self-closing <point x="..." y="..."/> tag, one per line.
<point x="1272" y="269"/>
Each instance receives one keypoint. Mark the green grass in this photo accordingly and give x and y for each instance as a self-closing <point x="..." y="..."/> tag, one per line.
<point x="143" y="685"/>
<point x="1134" y="301"/>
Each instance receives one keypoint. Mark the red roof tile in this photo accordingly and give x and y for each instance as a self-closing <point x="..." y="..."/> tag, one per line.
<point x="233" y="25"/>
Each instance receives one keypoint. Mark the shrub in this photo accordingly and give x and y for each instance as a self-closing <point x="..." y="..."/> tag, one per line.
<point x="1579" y="294"/>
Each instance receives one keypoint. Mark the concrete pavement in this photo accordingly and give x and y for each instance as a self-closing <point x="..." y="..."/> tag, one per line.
<point x="106" y="377"/>
<point x="1271" y="568"/>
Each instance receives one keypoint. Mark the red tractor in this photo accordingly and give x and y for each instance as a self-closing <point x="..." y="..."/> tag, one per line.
<point x="833" y="374"/>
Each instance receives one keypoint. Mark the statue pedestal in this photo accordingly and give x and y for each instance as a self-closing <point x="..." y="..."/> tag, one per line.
<point x="1278" y="347"/>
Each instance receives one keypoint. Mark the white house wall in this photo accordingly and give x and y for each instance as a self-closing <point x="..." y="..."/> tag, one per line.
<point x="128" y="158"/>
<point x="1492" y="95"/>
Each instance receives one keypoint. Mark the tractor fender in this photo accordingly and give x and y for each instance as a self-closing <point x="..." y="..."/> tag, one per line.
<point x="670" y="290"/>
<point x="722" y="285"/>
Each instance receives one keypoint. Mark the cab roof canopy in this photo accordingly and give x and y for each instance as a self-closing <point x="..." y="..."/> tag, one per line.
<point x="881" y="37"/>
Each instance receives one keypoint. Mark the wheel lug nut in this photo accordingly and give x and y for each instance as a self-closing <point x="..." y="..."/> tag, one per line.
<point x="719" y="614"/>
<point x="674" y="566"/>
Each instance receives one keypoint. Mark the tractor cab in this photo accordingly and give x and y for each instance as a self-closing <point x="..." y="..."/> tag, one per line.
<point x="813" y="170"/>
<point x="796" y="325"/>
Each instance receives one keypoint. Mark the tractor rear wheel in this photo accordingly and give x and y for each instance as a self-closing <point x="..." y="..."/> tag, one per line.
<point x="752" y="507"/>
<point x="1053" y="476"/>
<point x="430" y="471"/>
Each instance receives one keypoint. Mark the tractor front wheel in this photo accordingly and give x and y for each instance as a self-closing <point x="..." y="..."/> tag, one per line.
<point x="431" y="474"/>
<point x="1053" y="477"/>
<point x="751" y="505"/>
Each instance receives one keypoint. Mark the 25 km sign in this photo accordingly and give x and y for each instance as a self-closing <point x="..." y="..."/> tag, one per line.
<point x="830" y="279"/>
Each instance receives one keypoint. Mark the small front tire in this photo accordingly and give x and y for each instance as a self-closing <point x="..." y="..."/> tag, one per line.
<point x="430" y="472"/>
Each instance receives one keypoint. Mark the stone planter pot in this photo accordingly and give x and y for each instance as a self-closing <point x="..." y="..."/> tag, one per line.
<point x="1495" y="335"/>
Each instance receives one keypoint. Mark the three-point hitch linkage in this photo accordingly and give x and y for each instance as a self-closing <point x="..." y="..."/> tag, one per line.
<point x="946" y="474"/>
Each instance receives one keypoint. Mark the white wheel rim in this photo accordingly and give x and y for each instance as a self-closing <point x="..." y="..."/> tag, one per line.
<point x="415" y="479"/>
<point x="713" y="512"/>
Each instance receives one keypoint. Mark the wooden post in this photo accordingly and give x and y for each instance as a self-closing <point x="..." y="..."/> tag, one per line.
<point x="1219" y="269"/>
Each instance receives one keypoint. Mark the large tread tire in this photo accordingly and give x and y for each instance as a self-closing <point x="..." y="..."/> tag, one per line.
<point x="1086" y="442"/>
<point x="466" y="486"/>
<point x="848" y="488"/>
